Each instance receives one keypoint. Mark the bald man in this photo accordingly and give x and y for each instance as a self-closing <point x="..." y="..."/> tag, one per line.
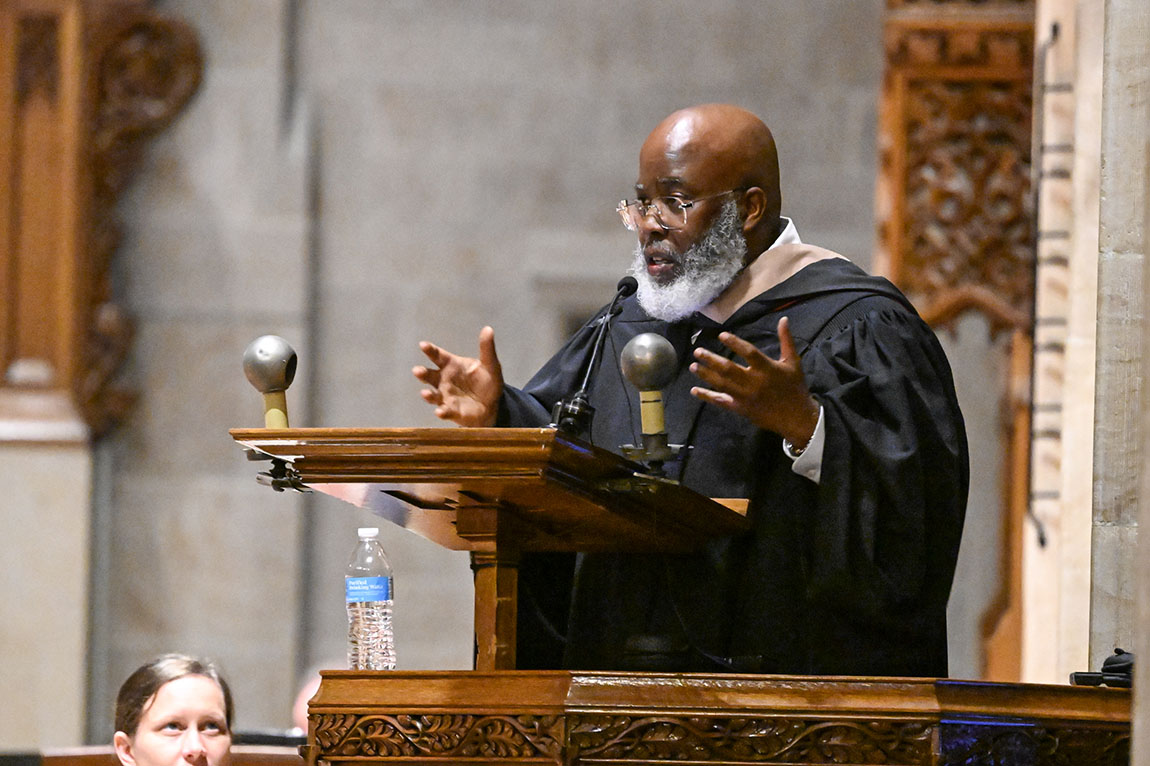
<point x="805" y="385"/>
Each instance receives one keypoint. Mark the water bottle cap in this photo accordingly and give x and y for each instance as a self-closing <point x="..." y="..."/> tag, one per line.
<point x="366" y="533"/>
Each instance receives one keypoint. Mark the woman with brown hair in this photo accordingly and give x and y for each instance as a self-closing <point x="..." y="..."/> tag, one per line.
<point x="174" y="711"/>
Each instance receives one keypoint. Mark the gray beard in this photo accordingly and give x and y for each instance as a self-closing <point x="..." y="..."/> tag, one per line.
<point x="707" y="269"/>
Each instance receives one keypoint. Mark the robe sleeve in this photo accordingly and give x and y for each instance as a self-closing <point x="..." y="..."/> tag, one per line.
<point x="884" y="533"/>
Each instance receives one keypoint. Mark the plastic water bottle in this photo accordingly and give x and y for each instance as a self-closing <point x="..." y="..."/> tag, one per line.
<point x="368" y="590"/>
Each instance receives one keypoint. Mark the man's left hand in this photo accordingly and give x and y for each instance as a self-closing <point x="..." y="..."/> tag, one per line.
<point x="771" y="393"/>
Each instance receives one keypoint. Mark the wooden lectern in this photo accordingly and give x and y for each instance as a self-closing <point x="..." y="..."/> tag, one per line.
<point x="496" y="492"/>
<point x="500" y="492"/>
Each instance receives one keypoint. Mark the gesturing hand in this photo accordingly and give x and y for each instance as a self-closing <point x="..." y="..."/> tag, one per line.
<point x="771" y="393"/>
<point x="463" y="390"/>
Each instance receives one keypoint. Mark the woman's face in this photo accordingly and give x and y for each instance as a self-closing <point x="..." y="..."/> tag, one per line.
<point x="184" y="724"/>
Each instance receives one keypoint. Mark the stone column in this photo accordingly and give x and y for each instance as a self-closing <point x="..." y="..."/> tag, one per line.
<point x="1119" y="453"/>
<point x="1141" y="753"/>
<point x="1128" y="75"/>
<point x="45" y="581"/>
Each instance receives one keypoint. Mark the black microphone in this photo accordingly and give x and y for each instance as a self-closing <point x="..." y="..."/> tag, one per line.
<point x="573" y="414"/>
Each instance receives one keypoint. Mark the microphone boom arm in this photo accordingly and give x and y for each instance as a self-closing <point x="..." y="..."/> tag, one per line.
<point x="573" y="414"/>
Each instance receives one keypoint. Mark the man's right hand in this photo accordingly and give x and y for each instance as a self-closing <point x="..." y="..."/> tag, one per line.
<point x="463" y="390"/>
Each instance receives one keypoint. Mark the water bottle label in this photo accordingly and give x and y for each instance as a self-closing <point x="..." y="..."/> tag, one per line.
<point x="360" y="589"/>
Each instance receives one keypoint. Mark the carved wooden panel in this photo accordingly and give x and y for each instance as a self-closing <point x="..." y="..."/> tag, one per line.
<point x="146" y="67"/>
<point x="570" y="718"/>
<point x="747" y="739"/>
<point x="955" y="220"/>
<point x="1040" y="745"/>
<point x="967" y="234"/>
<point x="522" y="737"/>
<point x="83" y="85"/>
<point x="621" y="739"/>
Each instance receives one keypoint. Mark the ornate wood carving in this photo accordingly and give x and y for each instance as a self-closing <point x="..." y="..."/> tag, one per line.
<point x="1009" y="50"/>
<point x="1042" y="746"/>
<point x="90" y="82"/>
<point x="570" y="718"/>
<point x="748" y="739"/>
<point x="147" y="67"/>
<point x="599" y="738"/>
<point x="968" y="240"/>
<point x="956" y="227"/>
<point x="443" y="736"/>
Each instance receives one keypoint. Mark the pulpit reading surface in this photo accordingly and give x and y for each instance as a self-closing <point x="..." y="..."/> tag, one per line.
<point x="556" y="492"/>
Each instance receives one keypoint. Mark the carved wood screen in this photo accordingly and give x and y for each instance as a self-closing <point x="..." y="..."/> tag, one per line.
<point x="955" y="217"/>
<point x="83" y="83"/>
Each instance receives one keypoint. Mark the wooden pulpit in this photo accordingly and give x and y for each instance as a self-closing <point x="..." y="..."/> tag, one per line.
<point x="566" y="718"/>
<point x="496" y="492"/>
<point x="501" y="492"/>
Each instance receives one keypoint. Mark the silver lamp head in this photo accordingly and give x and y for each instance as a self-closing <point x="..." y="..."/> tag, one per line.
<point x="649" y="361"/>
<point x="269" y="363"/>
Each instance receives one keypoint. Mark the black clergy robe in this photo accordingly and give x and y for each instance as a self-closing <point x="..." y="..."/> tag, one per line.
<point x="847" y="576"/>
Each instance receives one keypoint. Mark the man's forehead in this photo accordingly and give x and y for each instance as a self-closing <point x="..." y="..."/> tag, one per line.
<point x="673" y="155"/>
<point x="670" y="146"/>
<point x="667" y="171"/>
<point x="678" y="136"/>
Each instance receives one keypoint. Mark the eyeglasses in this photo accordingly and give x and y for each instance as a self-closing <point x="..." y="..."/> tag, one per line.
<point x="670" y="212"/>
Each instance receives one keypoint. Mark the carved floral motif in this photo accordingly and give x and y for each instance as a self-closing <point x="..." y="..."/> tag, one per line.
<point x="749" y="740"/>
<point x="974" y="46"/>
<point x="146" y="69"/>
<point x="957" y="225"/>
<point x="725" y="739"/>
<point x="460" y="736"/>
<point x="967" y="219"/>
<point x="972" y="743"/>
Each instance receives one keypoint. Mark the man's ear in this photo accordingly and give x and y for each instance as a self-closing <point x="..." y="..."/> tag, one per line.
<point x="123" y="746"/>
<point x="755" y="205"/>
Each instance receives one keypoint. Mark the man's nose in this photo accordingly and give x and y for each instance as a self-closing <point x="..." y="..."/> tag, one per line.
<point x="649" y="225"/>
